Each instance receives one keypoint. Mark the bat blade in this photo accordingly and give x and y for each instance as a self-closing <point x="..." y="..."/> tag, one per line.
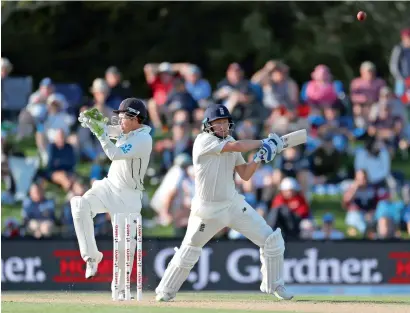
<point x="294" y="139"/>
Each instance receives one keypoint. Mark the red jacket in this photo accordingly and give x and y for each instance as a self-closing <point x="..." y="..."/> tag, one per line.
<point x="297" y="204"/>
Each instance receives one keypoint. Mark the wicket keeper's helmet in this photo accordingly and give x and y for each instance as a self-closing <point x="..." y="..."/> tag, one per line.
<point x="133" y="107"/>
<point x="215" y="112"/>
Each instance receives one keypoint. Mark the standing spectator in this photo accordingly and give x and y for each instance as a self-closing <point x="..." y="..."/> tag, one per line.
<point x="38" y="213"/>
<point x="61" y="162"/>
<point x="119" y="89"/>
<point x="160" y="79"/>
<point x="364" y="91"/>
<point x="328" y="230"/>
<point x="197" y="86"/>
<point x="400" y="62"/>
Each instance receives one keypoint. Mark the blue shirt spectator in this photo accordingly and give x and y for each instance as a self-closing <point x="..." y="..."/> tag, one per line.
<point x="61" y="158"/>
<point x="198" y="87"/>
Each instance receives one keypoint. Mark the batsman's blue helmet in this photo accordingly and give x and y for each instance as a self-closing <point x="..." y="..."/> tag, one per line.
<point x="215" y="112"/>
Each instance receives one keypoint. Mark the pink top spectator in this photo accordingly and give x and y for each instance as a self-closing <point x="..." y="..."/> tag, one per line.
<point x="320" y="89"/>
<point x="366" y="88"/>
<point x="365" y="91"/>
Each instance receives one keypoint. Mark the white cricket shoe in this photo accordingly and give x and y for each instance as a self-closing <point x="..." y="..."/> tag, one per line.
<point x="92" y="266"/>
<point x="282" y="294"/>
<point x="164" y="297"/>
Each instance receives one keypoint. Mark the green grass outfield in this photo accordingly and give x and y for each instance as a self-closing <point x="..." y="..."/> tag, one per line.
<point x="203" y="302"/>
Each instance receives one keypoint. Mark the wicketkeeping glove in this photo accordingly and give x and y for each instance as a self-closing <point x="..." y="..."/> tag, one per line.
<point x="95" y="115"/>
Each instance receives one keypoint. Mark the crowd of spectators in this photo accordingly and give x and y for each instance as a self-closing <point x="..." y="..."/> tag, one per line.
<point x="355" y="131"/>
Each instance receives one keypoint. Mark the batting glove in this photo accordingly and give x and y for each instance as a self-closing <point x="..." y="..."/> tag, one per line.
<point x="275" y="142"/>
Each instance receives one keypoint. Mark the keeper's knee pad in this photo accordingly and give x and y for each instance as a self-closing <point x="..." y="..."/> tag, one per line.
<point x="80" y="207"/>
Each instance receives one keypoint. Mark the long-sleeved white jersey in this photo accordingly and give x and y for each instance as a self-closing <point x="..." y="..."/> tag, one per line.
<point x="129" y="155"/>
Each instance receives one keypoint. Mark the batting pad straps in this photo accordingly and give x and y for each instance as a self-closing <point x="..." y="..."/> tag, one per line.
<point x="178" y="269"/>
<point x="274" y="259"/>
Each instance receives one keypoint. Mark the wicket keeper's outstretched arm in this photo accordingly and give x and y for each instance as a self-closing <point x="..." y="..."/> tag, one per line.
<point x="131" y="148"/>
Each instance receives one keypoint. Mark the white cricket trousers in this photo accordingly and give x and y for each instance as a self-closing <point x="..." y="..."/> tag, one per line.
<point x="238" y="215"/>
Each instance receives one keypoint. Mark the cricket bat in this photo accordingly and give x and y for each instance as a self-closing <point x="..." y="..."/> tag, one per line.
<point x="294" y="139"/>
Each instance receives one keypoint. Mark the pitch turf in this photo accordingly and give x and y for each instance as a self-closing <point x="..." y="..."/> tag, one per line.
<point x="204" y="302"/>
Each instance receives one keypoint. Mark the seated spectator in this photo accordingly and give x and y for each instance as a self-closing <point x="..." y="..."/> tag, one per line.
<point x="179" y="99"/>
<point x="392" y="124"/>
<point x="400" y="62"/>
<point x="405" y="98"/>
<point x="375" y="160"/>
<point x="328" y="164"/>
<point x="100" y="168"/>
<point x="406" y="211"/>
<point x="388" y="216"/>
<point x="119" y="89"/>
<point x="246" y="130"/>
<point x="387" y="128"/>
<point x="36" y="111"/>
<point x="364" y="91"/>
<point x="61" y="162"/>
<point x="181" y="142"/>
<point x="56" y="120"/>
<point x="160" y="79"/>
<point x="237" y="94"/>
<point x="11" y="228"/>
<point x="172" y="199"/>
<point x="320" y="91"/>
<point x="279" y="90"/>
<point x="360" y="201"/>
<point x="387" y="98"/>
<point x="198" y="87"/>
<point x="101" y="92"/>
<point x="66" y="218"/>
<point x="328" y="230"/>
<point x="197" y="122"/>
<point x="292" y="163"/>
<point x="288" y="208"/>
<point x="38" y="213"/>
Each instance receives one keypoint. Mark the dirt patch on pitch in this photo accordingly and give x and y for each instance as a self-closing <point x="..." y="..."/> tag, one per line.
<point x="295" y="305"/>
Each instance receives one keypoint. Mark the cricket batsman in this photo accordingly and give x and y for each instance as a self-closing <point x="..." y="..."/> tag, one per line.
<point x="217" y="204"/>
<point x="121" y="190"/>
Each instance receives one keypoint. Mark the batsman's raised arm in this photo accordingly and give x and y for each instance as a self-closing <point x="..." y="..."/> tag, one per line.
<point x="242" y="146"/>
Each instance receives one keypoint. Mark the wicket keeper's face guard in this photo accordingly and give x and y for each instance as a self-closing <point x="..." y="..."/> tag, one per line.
<point x="218" y="121"/>
<point x="129" y="109"/>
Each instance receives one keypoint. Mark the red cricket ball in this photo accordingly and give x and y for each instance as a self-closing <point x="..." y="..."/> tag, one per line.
<point x="361" y="16"/>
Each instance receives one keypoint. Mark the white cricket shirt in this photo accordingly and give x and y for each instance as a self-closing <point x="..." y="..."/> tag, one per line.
<point x="214" y="170"/>
<point x="129" y="155"/>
